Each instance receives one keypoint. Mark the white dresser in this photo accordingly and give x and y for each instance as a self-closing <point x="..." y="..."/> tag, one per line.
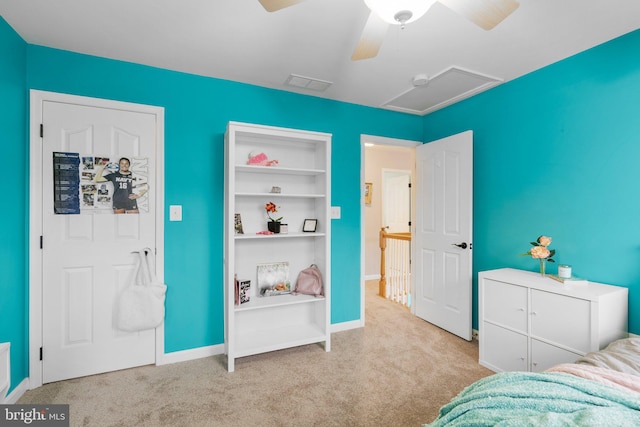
<point x="528" y="322"/>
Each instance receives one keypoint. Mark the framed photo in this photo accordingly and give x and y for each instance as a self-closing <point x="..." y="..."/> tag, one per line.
<point x="368" y="190"/>
<point x="310" y="225"/>
<point x="238" y="224"/>
<point x="273" y="279"/>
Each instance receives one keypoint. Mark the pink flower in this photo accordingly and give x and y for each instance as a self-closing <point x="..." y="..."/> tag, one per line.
<point x="540" y="251"/>
<point x="544" y="241"/>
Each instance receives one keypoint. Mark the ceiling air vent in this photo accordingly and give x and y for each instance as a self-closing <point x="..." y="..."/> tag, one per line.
<point x="307" y="83"/>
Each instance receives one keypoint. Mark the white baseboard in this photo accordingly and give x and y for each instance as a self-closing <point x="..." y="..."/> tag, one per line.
<point x="372" y="277"/>
<point x="192" y="354"/>
<point x="633" y="335"/>
<point x="345" y="326"/>
<point x="17" y="392"/>
<point x="213" y="350"/>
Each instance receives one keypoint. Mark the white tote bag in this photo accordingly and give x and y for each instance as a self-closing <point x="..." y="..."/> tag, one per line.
<point x="141" y="304"/>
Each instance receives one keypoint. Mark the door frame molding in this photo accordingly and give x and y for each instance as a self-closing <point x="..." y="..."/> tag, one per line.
<point x="378" y="140"/>
<point x="37" y="98"/>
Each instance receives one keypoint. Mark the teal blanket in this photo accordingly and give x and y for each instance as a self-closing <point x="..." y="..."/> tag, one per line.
<point x="518" y="399"/>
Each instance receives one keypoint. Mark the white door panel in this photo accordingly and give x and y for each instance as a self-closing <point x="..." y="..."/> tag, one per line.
<point x="443" y="281"/>
<point x="87" y="257"/>
<point x="397" y="201"/>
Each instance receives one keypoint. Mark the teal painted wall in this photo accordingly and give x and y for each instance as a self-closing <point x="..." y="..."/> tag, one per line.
<point x="197" y="110"/>
<point x="556" y="152"/>
<point x="14" y="213"/>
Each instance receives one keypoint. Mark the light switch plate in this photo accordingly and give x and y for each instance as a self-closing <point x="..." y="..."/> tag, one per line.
<point x="175" y="213"/>
<point x="335" y="212"/>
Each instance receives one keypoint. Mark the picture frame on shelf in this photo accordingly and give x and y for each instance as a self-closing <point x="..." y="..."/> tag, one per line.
<point x="243" y="291"/>
<point x="368" y="190"/>
<point x="273" y="279"/>
<point x="238" y="224"/>
<point x="310" y="225"/>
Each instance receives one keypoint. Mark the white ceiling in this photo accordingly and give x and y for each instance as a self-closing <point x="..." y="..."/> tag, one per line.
<point x="238" y="40"/>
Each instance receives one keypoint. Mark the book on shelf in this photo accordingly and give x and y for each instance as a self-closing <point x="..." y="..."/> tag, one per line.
<point x="242" y="291"/>
<point x="573" y="280"/>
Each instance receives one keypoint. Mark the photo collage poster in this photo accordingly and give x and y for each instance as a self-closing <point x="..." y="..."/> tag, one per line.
<point x="103" y="185"/>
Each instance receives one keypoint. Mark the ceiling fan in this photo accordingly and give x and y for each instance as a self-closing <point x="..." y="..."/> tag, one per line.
<point x="484" y="13"/>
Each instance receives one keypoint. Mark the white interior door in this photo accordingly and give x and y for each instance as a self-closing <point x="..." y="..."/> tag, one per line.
<point x="396" y="196"/>
<point x="87" y="258"/>
<point x="442" y="260"/>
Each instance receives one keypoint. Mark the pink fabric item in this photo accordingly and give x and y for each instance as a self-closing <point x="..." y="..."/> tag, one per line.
<point x="602" y="375"/>
<point x="260" y="159"/>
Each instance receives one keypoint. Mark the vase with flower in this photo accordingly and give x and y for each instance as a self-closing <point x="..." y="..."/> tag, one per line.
<point x="273" y="224"/>
<point x="540" y="251"/>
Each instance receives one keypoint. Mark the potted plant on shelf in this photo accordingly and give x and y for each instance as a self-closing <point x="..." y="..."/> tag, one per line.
<point x="274" y="223"/>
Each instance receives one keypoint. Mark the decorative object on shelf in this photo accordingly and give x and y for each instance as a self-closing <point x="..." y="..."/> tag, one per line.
<point x="273" y="279"/>
<point x="258" y="158"/>
<point x="275" y="190"/>
<point x="309" y="282"/>
<point x="540" y="251"/>
<point x="274" y="223"/>
<point x="310" y="225"/>
<point x="284" y="228"/>
<point x="243" y="291"/>
<point x="274" y="227"/>
<point x="564" y="271"/>
<point x="238" y="224"/>
<point x="368" y="189"/>
<point x="573" y="280"/>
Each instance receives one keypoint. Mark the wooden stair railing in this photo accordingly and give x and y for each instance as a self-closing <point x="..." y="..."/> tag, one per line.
<point x="398" y="269"/>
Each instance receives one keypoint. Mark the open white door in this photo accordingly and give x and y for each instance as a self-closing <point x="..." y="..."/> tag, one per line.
<point x="442" y="252"/>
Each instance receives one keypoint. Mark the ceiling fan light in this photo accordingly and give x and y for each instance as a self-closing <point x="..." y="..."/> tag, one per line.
<point x="397" y="11"/>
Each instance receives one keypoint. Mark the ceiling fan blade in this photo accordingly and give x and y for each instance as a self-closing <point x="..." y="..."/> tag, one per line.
<point x="484" y="13"/>
<point x="273" y="5"/>
<point x="372" y="36"/>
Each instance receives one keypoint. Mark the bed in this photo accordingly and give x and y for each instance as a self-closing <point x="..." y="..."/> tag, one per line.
<point x="600" y="389"/>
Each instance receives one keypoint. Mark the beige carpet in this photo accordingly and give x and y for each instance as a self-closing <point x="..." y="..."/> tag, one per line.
<point x="396" y="371"/>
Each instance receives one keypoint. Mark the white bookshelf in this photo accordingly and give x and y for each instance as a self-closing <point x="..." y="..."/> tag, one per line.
<point x="303" y="173"/>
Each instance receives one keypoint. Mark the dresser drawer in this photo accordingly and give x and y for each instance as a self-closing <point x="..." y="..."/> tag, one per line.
<point x="544" y="356"/>
<point x="505" y="304"/>
<point x="561" y="319"/>
<point x="503" y="350"/>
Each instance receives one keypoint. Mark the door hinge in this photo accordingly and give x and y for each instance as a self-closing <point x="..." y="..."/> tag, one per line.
<point x="41" y="130"/>
<point x="40" y="353"/>
<point x="409" y="223"/>
<point x="409" y="185"/>
<point x="41" y="242"/>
